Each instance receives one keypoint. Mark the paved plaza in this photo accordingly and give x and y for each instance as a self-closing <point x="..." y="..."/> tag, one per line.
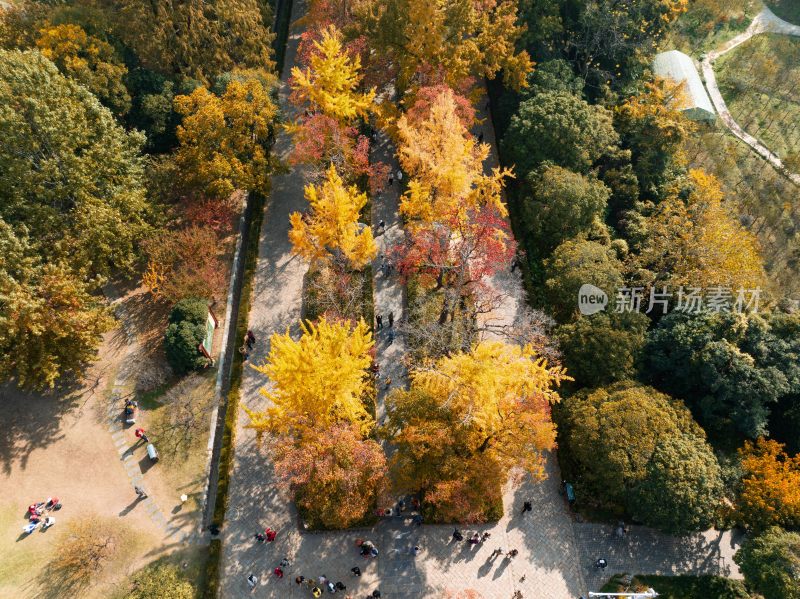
<point x="555" y="554"/>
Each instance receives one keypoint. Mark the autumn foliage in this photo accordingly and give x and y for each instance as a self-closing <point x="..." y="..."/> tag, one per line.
<point x="335" y="476"/>
<point x="466" y="420"/>
<point x="770" y="486"/>
<point x="318" y="380"/>
<point x="445" y="162"/>
<point x="329" y="83"/>
<point x="185" y="263"/>
<point x="331" y="229"/>
<point x="223" y="139"/>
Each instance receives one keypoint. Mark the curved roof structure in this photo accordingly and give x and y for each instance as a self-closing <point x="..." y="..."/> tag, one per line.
<point x="679" y="67"/>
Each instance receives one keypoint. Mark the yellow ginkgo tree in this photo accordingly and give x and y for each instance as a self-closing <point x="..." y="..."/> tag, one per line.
<point x="318" y="380"/>
<point x="698" y="242"/>
<point x="445" y="164"/>
<point x="331" y="230"/>
<point x="330" y="82"/>
<point x="224" y="139"/>
<point x="466" y="420"/>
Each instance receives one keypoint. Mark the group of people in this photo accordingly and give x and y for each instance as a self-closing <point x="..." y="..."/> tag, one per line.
<point x="249" y="342"/>
<point x="38" y="514"/>
<point x="319" y="585"/>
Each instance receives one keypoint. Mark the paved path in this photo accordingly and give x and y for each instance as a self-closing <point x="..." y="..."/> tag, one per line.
<point x="554" y="554"/>
<point x="764" y="22"/>
<point x="389" y="292"/>
<point x="122" y="435"/>
<point x="253" y="502"/>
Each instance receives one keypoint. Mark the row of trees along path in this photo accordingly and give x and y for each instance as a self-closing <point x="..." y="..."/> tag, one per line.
<point x="555" y="555"/>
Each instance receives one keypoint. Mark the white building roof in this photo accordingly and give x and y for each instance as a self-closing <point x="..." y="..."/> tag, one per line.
<point x="679" y="67"/>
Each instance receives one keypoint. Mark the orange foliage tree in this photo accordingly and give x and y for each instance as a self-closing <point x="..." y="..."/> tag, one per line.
<point x="770" y="486"/>
<point x="466" y="421"/>
<point x="335" y="476"/>
<point x="185" y="263"/>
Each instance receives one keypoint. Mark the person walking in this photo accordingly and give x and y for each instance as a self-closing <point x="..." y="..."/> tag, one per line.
<point x="260" y="537"/>
<point x="140" y="434"/>
<point x="399" y="175"/>
<point x="601" y="564"/>
<point x="278" y="571"/>
<point x="391" y="178"/>
<point x="284" y="562"/>
<point x="356" y="571"/>
<point x="140" y="493"/>
<point x="457" y="536"/>
<point x="299" y="580"/>
<point x="382" y="227"/>
<point x="252" y="582"/>
<point x="391" y="319"/>
<point x="251" y="339"/>
<point x="271" y="534"/>
<point x="415" y="550"/>
<point x="245" y="352"/>
<point x="379" y="322"/>
<point x="512" y="553"/>
<point x="527" y="507"/>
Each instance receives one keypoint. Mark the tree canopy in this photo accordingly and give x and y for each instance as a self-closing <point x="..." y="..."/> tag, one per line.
<point x="770" y="492"/>
<point x="770" y="563"/>
<point x="223" y="139"/>
<point x="68" y="172"/>
<point x="425" y="43"/>
<point x="629" y="441"/>
<point x="562" y="128"/>
<point x="318" y="380"/>
<point x="331" y="230"/>
<point x="730" y="368"/>
<point x="577" y="262"/>
<point x="335" y="475"/>
<point x="562" y="204"/>
<point x="50" y="322"/>
<point x="467" y="419"/>
<point x="195" y="38"/>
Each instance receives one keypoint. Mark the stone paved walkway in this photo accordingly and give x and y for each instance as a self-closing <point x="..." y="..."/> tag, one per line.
<point x="389" y="292"/>
<point x="554" y="554"/>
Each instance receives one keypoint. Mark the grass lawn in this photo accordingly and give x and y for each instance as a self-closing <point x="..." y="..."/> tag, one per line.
<point x="178" y="422"/>
<point x="191" y="562"/>
<point x="709" y="23"/>
<point x="681" y="587"/>
<point x="760" y="81"/>
<point x="788" y="10"/>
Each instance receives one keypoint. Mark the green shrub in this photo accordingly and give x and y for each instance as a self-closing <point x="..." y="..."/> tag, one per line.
<point x="186" y="330"/>
<point x="193" y="310"/>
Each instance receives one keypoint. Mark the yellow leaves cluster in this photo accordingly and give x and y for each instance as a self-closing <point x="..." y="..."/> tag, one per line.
<point x="770" y="486"/>
<point x="450" y="42"/>
<point x="445" y="164"/>
<point x="317" y="380"/>
<point x="223" y="139"/>
<point x="88" y="60"/>
<point x="332" y="228"/>
<point x="502" y="394"/>
<point x="700" y="243"/>
<point x="330" y="82"/>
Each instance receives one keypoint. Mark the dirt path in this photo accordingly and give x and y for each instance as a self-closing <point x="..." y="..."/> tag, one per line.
<point x="57" y="444"/>
<point x="764" y="22"/>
